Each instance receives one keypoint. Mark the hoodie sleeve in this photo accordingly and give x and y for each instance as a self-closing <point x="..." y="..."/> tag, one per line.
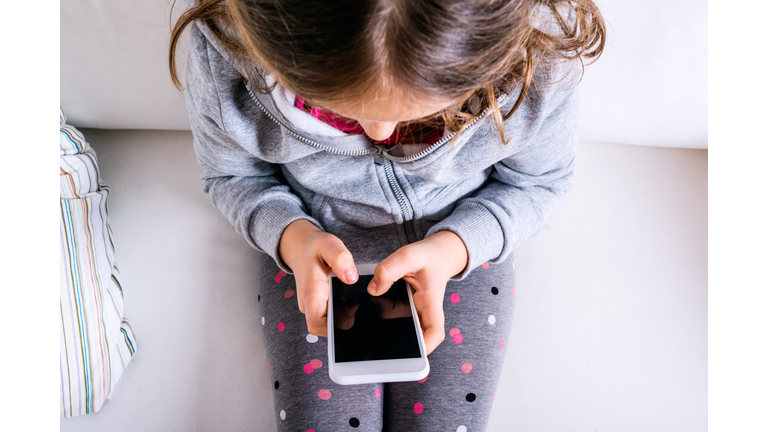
<point x="249" y="191"/>
<point x="526" y="188"/>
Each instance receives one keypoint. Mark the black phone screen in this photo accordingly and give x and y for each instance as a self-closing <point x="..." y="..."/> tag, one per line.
<point x="372" y="328"/>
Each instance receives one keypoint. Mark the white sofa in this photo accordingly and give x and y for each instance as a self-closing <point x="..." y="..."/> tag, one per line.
<point x="610" y="330"/>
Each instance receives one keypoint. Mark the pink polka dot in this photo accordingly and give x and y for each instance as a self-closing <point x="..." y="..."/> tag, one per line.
<point x="317" y="364"/>
<point x="310" y="430"/>
<point x="452" y="332"/>
<point x="512" y="316"/>
<point x="458" y="338"/>
<point x="485" y="265"/>
<point x="279" y="276"/>
<point x="324" y="394"/>
<point x="269" y="364"/>
<point x="513" y="290"/>
<point x="422" y="380"/>
<point x="455" y="297"/>
<point x="494" y="396"/>
<point x="502" y="344"/>
<point x="289" y="293"/>
<point x="280" y="327"/>
<point x="466" y="367"/>
<point x="308" y="368"/>
<point x="418" y="408"/>
<point x="378" y="393"/>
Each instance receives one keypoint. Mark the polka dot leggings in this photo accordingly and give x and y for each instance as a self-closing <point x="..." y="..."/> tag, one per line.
<point x="457" y="395"/>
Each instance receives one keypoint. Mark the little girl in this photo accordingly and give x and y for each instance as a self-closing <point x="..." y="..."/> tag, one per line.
<point x="431" y="137"/>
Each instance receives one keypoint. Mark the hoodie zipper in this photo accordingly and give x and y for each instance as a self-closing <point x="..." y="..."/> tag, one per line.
<point x="438" y="144"/>
<point x="305" y="139"/>
<point x="377" y="150"/>
<point x="405" y="206"/>
<point x="380" y="158"/>
<point x="387" y="161"/>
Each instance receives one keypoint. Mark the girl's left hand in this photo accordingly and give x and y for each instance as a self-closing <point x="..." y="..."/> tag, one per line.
<point x="427" y="265"/>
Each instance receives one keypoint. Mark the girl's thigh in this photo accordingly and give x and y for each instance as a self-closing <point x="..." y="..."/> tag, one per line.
<point x="305" y="398"/>
<point x="458" y="393"/>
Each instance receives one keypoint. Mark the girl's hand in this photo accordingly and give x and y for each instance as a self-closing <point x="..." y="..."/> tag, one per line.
<point x="312" y="254"/>
<point x="426" y="265"/>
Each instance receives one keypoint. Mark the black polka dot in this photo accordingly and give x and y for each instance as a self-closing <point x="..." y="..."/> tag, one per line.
<point x="471" y="397"/>
<point x="354" y="422"/>
<point x="277" y="384"/>
<point x="259" y="297"/>
<point x="495" y="291"/>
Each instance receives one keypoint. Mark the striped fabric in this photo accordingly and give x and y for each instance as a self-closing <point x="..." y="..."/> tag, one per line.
<point x="96" y="340"/>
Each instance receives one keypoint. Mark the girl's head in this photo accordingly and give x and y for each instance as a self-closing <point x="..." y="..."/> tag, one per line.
<point x="390" y="61"/>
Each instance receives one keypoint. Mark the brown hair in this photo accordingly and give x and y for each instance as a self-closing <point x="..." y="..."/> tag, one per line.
<point x="465" y="50"/>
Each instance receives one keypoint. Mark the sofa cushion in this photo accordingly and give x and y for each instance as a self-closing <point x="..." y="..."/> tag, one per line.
<point x="97" y="341"/>
<point x="649" y="88"/>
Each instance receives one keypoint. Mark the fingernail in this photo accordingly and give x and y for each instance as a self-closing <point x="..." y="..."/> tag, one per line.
<point x="372" y="288"/>
<point x="351" y="276"/>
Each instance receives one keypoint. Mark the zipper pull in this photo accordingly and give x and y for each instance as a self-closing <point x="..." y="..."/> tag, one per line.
<point x="378" y="156"/>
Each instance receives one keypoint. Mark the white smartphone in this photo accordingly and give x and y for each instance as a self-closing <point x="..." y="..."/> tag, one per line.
<point x="373" y="339"/>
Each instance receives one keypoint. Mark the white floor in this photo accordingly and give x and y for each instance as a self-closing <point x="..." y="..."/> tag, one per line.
<point x="610" y="330"/>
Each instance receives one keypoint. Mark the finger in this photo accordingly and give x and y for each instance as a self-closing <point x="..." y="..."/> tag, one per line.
<point x="300" y="293"/>
<point x="401" y="263"/>
<point x="431" y="317"/>
<point x="305" y="283"/>
<point x="339" y="259"/>
<point x="316" y="307"/>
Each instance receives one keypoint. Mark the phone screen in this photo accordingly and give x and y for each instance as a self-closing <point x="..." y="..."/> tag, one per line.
<point x="372" y="328"/>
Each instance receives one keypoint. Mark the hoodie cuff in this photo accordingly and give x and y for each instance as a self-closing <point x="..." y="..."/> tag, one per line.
<point x="269" y="222"/>
<point x="480" y="231"/>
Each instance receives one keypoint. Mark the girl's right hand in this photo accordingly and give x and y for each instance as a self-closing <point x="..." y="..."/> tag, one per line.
<point x="312" y="254"/>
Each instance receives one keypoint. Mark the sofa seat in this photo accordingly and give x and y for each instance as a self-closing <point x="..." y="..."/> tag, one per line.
<point x="609" y="332"/>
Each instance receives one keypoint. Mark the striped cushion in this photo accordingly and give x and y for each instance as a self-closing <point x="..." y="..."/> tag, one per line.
<point x="96" y="340"/>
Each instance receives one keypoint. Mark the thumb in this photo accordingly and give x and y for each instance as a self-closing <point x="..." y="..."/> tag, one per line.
<point x="335" y="255"/>
<point x="339" y="259"/>
<point x="390" y="270"/>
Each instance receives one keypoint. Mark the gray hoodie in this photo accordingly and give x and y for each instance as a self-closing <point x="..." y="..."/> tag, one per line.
<point x="266" y="164"/>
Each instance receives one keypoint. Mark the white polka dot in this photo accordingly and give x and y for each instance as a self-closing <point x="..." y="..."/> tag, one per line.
<point x="282" y="415"/>
<point x="461" y="428"/>
<point x="311" y="338"/>
<point x="262" y="321"/>
<point x="491" y="319"/>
